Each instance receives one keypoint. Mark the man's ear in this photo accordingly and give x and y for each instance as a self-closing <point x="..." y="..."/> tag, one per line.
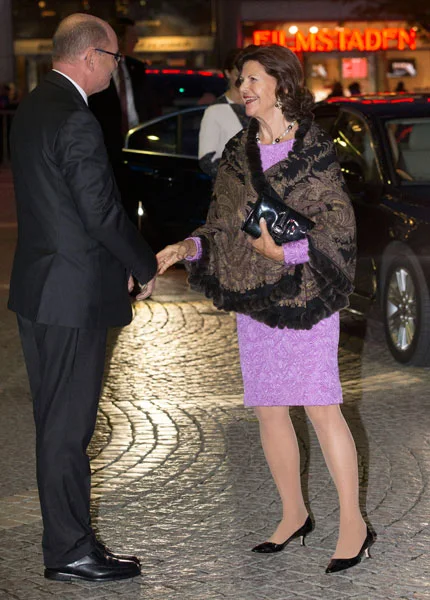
<point x="90" y="59"/>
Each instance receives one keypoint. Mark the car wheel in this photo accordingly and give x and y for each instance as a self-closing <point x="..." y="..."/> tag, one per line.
<point x="406" y="310"/>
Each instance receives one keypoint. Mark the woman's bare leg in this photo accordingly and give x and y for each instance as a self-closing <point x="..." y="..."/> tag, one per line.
<point x="279" y="442"/>
<point x="338" y="447"/>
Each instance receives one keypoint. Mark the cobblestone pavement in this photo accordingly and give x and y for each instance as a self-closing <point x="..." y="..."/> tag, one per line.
<point x="179" y="475"/>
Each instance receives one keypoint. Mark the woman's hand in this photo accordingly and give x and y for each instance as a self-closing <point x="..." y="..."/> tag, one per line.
<point x="266" y="246"/>
<point x="173" y="254"/>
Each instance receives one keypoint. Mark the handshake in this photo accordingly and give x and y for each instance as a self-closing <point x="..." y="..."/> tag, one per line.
<point x="165" y="259"/>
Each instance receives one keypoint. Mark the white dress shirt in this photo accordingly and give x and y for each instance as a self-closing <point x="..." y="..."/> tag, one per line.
<point x="133" y="118"/>
<point x="219" y="124"/>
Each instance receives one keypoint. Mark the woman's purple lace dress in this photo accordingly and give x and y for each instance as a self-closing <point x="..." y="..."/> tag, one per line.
<point x="288" y="367"/>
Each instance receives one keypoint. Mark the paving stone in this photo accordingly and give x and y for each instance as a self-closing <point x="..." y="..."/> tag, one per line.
<point x="179" y="476"/>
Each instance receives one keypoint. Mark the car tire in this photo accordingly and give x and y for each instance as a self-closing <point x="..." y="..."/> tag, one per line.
<point x="406" y="309"/>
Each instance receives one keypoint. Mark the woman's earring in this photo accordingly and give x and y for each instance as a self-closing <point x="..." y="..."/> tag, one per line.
<point x="278" y="103"/>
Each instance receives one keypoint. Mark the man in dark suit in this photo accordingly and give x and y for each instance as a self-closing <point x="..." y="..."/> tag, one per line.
<point x="123" y="105"/>
<point x="76" y="250"/>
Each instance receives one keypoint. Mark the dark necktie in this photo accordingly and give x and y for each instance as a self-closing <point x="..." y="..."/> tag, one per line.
<point x="123" y="100"/>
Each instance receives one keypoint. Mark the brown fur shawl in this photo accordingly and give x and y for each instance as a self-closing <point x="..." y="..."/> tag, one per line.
<point x="239" y="279"/>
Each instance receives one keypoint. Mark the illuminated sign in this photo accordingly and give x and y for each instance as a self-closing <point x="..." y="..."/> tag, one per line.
<point x="342" y="39"/>
<point x="174" y="43"/>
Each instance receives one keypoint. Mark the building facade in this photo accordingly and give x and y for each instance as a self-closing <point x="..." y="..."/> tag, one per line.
<point x="171" y="32"/>
<point x="337" y="46"/>
<point x="334" y="46"/>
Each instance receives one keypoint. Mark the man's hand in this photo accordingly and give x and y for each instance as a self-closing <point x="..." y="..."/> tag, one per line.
<point x="266" y="246"/>
<point x="130" y="284"/>
<point x="146" y="290"/>
<point x="173" y="254"/>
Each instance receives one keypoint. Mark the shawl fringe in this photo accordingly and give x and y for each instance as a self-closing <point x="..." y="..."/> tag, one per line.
<point x="258" y="299"/>
<point x="260" y="303"/>
<point x="265" y="302"/>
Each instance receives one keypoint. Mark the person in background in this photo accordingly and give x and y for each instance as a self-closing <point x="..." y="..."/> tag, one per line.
<point x="4" y="96"/>
<point x="354" y="88"/>
<point x="75" y="252"/>
<point x="287" y="297"/>
<point x="400" y="88"/>
<point x="222" y="120"/>
<point x="123" y="105"/>
<point x="337" y="90"/>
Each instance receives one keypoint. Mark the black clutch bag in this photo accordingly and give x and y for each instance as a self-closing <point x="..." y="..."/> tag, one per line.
<point x="283" y="223"/>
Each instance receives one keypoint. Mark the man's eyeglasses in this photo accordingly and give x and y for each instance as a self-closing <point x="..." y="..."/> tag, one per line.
<point x="117" y="55"/>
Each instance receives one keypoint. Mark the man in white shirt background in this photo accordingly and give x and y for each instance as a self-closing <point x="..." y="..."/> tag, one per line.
<point x="223" y="119"/>
<point x="124" y="104"/>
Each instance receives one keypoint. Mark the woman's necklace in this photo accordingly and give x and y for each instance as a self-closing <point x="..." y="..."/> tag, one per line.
<point x="278" y="139"/>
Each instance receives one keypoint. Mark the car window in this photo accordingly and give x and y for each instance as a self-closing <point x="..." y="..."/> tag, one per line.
<point x="176" y="91"/>
<point x="188" y="129"/>
<point x="174" y="134"/>
<point x="409" y="141"/>
<point x="325" y="119"/>
<point x="159" y="137"/>
<point x="355" y="149"/>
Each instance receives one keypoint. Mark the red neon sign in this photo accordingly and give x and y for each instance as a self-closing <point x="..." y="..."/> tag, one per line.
<point x="344" y="40"/>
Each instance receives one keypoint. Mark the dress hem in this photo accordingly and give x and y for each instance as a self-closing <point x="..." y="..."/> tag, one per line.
<point x="295" y="404"/>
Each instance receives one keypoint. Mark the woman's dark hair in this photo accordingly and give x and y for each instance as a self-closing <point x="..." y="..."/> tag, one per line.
<point x="282" y="64"/>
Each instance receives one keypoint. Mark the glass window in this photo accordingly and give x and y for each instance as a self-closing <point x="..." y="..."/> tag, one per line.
<point x="409" y="141"/>
<point x="181" y="90"/>
<point x="176" y="134"/>
<point x="355" y="149"/>
<point x="188" y="128"/>
<point x="325" y="118"/>
<point x="158" y="137"/>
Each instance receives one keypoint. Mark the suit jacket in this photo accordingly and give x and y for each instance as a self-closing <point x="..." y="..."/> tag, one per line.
<point x="76" y="246"/>
<point x="107" y="108"/>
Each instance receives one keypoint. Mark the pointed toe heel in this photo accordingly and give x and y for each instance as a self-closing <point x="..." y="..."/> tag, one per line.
<point x="341" y="564"/>
<point x="270" y="547"/>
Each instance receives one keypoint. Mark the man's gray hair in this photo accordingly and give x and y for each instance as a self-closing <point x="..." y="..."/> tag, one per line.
<point x="77" y="33"/>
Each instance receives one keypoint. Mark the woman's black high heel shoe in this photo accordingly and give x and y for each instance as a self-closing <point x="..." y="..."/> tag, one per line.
<point x="340" y="564"/>
<point x="270" y="547"/>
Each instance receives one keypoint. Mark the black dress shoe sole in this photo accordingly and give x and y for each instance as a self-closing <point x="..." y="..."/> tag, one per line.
<point x="55" y="575"/>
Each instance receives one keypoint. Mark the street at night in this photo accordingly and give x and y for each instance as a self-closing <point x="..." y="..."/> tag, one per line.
<point x="179" y="475"/>
<point x="214" y="300"/>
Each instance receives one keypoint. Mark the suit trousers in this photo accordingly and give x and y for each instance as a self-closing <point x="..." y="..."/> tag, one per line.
<point x="65" y="369"/>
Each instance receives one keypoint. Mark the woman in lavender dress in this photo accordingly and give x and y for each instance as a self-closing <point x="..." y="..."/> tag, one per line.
<point x="287" y="298"/>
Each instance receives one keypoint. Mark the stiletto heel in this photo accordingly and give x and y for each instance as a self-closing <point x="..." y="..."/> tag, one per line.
<point x="270" y="547"/>
<point x="340" y="564"/>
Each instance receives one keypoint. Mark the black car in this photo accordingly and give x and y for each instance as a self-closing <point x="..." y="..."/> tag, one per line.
<point x="171" y="193"/>
<point x="383" y="146"/>
<point x="174" y="89"/>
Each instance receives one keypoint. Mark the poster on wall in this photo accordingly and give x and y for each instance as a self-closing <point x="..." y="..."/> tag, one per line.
<point x="402" y="67"/>
<point x="354" y="68"/>
<point x="319" y="70"/>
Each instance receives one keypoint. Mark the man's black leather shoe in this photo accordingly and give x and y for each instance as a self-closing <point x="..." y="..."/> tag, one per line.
<point x="95" y="566"/>
<point x="108" y="552"/>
